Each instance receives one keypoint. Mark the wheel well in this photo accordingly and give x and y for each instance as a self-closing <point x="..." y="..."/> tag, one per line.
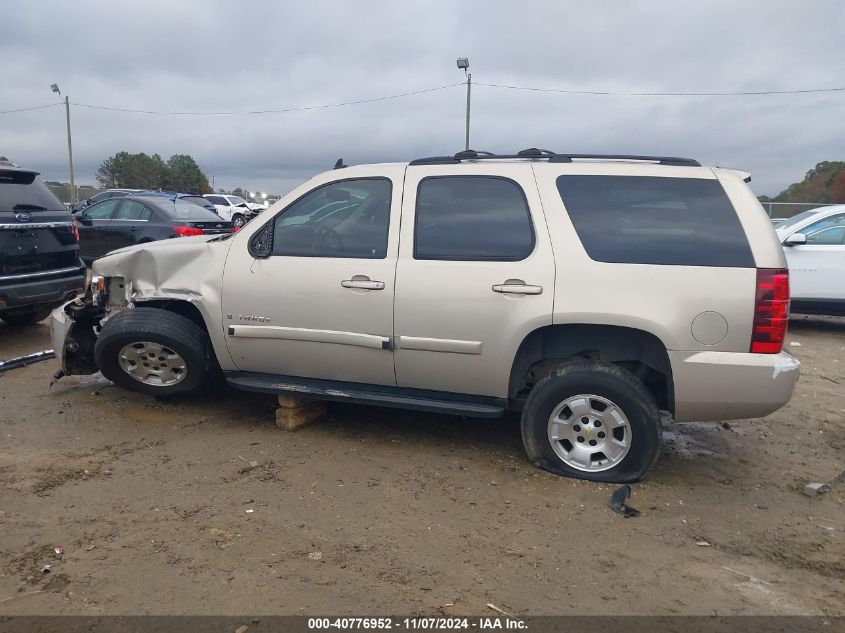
<point x="639" y="352"/>
<point x="183" y="308"/>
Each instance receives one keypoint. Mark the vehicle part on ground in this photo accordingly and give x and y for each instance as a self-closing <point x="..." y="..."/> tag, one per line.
<point x="618" y="434"/>
<point x="618" y="499"/>
<point x="152" y="351"/>
<point x="23" y="361"/>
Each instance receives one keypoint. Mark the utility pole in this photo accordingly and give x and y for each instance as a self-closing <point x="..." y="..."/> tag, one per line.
<point x="73" y="196"/>
<point x="463" y="63"/>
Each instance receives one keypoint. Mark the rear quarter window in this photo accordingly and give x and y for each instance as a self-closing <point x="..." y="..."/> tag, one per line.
<point x="655" y="220"/>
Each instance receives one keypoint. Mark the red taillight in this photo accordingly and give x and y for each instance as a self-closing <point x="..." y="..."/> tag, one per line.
<point x="75" y="231"/>
<point x="235" y="228"/>
<point x="187" y="231"/>
<point x="771" y="311"/>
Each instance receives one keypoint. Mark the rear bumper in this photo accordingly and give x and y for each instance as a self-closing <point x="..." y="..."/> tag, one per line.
<point x="730" y="385"/>
<point x="47" y="288"/>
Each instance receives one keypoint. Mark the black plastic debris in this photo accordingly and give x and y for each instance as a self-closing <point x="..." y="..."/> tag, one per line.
<point x="29" y="359"/>
<point x="618" y="499"/>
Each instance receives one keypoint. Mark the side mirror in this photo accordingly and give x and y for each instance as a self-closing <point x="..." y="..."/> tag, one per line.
<point x="261" y="245"/>
<point x="796" y="239"/>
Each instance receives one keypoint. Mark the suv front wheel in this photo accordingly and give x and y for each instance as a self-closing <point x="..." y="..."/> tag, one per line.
<point x="592" y="420"/>
<point x="153" y="351"/>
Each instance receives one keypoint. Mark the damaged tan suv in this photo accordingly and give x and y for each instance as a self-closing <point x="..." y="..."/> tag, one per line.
<point x="587" y="292"/>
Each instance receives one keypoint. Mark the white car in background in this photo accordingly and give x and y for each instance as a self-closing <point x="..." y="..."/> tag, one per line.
<point x="232" y="208"/>
<point x="814" y="244"/>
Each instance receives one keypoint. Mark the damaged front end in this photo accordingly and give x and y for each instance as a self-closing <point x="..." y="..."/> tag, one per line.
<point x="74" y="327"/>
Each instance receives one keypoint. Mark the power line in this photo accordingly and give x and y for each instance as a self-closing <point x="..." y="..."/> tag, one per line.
<point x="41" y="107"/>
<point x="271" y="111"/>
<point x="662" y="94"/>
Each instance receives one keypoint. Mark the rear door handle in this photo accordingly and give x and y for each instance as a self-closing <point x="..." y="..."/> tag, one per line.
<point x="517" y="287"/>
<point x="362" y="282"/>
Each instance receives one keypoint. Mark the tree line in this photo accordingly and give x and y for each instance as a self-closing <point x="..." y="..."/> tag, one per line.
<point x="140" y="171"/>
<point x="824" y="183"/>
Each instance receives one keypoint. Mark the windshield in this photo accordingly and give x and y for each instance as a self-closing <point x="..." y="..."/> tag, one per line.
<point x="236" y="200"/>
<point x="795" y="220"/>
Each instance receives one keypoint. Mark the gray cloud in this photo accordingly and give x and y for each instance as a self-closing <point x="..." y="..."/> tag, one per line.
<point x="213" y="56"/>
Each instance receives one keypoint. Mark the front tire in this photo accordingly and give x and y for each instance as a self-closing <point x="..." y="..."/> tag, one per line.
<point x="592" y="420"/>
<point x="25" y="316"/>
<point x="153" y="351"/>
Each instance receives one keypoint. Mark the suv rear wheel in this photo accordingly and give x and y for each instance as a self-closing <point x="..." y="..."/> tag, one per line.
<point x="153" y="351"/>
<point x="592" y="420"/>
<point x="238" y="220"/>
<point x="25" y="316"/>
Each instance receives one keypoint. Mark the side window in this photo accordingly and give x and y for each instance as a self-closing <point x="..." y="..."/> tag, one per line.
<point x="101" y="210"/>
<point x="349" y="218"/>
<point x="826" y="231"/>
<point x="655" y="220"/>
<point x="133" y="210"/>
<point x="472" y="218"/>
<point x="218" y="200"/>
<point x="832" y="235"/>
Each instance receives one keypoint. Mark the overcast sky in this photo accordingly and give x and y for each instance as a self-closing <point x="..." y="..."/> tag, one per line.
<point x="211" y="56"/>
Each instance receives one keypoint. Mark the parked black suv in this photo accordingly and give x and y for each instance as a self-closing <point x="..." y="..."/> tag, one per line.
<point x="39" y="248"/>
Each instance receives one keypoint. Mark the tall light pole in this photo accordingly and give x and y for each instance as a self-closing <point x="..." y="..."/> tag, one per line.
<point x="463" y="64"/>
<point x="55" y="88"/>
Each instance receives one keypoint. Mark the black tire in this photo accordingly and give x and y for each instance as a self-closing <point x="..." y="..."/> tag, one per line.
<point x="605" y="380"/>
<point x="239" y="220"/>
<point x="153" y="325"/>
<point x="25" y="316"/>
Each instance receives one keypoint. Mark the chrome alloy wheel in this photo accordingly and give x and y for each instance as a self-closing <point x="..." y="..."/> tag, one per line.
<point x="152" y="364"/>
<point x="589" y="433"/>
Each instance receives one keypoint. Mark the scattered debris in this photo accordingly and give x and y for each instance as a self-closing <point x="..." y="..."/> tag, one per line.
<point x="490" y="605"/>
<point x="751" y="578"/>
<point x="726" y="426"/>
<point x="249" y="510"/>
<point x="795" y="344"/>
<point x="761" y="506"/>
<point x="243" y="628"/>
<point x="830" y="379"/>
<point x="59" y="551"/>
<point x="703" y="543"/>
<point x="253" y="464"/>
<point x="618" y="499"/>
<point x="315" y="556"/>
<point x="448" y="604"/>
<point x="29" y="359"/>
<point x="816" y="488"/>
<point x="46" y="569"/>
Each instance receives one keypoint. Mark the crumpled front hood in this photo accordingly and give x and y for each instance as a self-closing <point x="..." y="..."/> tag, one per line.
<point x="179" y="268"/>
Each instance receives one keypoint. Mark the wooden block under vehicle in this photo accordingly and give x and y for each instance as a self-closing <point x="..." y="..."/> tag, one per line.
<point x="292" y="419"/>
<point x="287" y="401"/>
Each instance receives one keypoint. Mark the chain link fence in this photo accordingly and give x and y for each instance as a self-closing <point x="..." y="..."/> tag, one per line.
<point x="64" y="192"/>
<point x="788" y="209"/>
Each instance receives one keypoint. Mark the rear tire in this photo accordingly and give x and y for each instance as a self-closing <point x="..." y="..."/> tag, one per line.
<point x="592" y="420"/>
<point x="153" y="351"/>
<point x="25" y="316"/>
<point x="238" y="220"/>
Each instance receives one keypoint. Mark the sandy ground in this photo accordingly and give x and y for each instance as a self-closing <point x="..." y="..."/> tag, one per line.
<point x="382" y="511"/>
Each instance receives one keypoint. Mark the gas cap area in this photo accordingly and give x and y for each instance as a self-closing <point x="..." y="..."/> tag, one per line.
<point x="709" y="328"/>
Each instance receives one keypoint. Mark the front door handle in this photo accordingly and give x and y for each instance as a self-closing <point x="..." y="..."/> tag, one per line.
<point x="517" y="287"/>
<point x="362" y="282"/>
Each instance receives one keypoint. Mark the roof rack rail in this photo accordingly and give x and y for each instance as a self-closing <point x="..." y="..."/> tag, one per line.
<point x="552" y="157"/>
<point x="663" y="160"/>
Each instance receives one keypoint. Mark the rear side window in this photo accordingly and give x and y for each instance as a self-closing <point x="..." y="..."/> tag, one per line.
<point x="23" y="191"/>
<point x="133" y="210"/>
<point x="654" y="220"/>
<point x="472" y="218"/>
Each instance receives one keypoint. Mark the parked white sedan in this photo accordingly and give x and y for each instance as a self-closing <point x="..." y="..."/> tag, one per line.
<point x="814" y="243"/>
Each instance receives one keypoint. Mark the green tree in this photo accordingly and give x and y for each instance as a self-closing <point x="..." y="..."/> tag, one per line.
<point x="183" y="174"/>
<point x="817" y="186"/>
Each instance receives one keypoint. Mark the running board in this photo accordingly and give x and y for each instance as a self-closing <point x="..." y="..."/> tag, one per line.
<point x="377" y="395"/>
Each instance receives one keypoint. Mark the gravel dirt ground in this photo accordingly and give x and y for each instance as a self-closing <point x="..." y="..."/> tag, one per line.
<point x="202" y="506"/>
